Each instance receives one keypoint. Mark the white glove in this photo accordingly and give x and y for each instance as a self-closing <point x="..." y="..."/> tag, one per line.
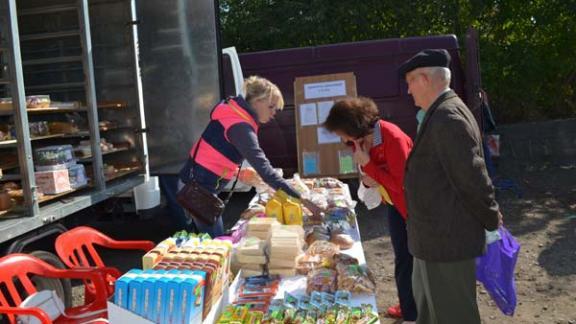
<point x="370" y="196"/>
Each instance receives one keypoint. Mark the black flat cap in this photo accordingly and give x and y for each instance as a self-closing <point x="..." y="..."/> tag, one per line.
<point x="425" y="58"/>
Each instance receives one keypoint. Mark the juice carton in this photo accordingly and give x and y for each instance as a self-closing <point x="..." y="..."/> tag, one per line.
<point x="191" y="297"/>
<point x="171" y="308"/>
<point x="121" y="291"/>
<point x="160" y="298"/>
<point x="135" y="297"/>
<point x="149" y="293"/>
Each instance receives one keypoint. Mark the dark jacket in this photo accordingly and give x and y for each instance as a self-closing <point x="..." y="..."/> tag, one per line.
<point x="449" y="195"/>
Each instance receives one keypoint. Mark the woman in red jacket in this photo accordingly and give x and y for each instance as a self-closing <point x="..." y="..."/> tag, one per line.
<point x="381" y="150"/>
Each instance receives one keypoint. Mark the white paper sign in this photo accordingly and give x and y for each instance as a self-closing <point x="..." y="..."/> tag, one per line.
<point x="325" y="89"/>
<point x="323" y="110"/>
<point x="308" y="114"/>
<point x="326" y="137"/>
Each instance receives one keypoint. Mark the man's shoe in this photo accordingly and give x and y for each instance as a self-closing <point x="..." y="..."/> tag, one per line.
<point x="395" y="311"/>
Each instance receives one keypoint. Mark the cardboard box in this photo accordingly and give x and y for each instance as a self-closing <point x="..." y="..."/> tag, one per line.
<point x="53" y="182"/>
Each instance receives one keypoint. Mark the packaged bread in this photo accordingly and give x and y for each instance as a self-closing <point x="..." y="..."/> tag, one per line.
<point x="38" y="101"/>
<point x="251" y="246"/>
<point x="322" y="280"/>
<point x="344" y="241"/>
<point x="262" y="224"/>
<point x="275" y="262"/>
<point x="253" y="259"/>
<point x="283" y="272"/>
<point x="256" y="210"/>
<point x="355" y="279"/>
<point x="323" y="248"/>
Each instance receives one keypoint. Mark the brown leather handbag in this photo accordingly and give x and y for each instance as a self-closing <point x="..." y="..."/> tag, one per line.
<point x="201" y="204"/>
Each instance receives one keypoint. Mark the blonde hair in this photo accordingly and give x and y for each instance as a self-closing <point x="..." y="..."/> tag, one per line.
<point x="257" y="88"/>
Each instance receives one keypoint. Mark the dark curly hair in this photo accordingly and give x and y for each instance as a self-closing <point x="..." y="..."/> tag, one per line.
<point x="353" y="116"/>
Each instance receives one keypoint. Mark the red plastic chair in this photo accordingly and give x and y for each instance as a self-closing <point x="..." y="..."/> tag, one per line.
<point x="19" y="267"/>
<point x="74" y="247"/>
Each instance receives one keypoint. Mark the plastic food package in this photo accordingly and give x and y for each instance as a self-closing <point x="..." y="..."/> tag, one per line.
<point x="341" y="258"/>
<point x="77" y="175"/>
<point x="319" y="200"/>
<point x="39" y="101"/>
<point x="39" y="128"/>
<point x="344" y="241"/>
<point x="255" y="210"/>
<point x="317" y="233"/>
<point x="329" y="183"/>
<point x="322" y="280"/>
<point x="354" y="278"/>
<point x="52" y="155"/>
<point x="323" y="248"/>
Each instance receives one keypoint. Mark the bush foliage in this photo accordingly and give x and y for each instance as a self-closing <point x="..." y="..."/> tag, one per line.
<point x="527" y="47"/>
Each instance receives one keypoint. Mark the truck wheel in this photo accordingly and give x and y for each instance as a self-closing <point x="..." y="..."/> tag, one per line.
<point x="62" y="287"/>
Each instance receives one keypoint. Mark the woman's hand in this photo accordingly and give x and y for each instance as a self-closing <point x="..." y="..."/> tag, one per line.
<point x="361" y="156"/>
<point x="312" y="207"/>
<point x="369" y="182"/>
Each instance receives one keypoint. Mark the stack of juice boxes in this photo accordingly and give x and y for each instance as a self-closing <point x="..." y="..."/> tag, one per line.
<point x="162" y="296"/>
<point x="184" y="251"/>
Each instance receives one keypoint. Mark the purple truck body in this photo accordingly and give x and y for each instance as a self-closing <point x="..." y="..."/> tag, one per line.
<point x="374" y="64"/>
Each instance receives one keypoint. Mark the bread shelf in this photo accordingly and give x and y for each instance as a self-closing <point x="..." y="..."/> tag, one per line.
<point x="12" y="143"/>
<point x="9" y="166"/>
<point x="10" y="177"/>
<point x="55" y="110"/>
<point x="47" y="198"/>
<point x="8" y="143"/>
<point x="6" y="112"/>
<point x="88" y="159"/>
<point x="120" y="174"/>
<point x="65" y="86"/>
<point x="53" y="60"/>
<point x="48" y="9"/>
<point x="112" y="105"/>
<point x="111" y="129"/>
<point x="50" y="110"/>
<point x="59" y="34"/>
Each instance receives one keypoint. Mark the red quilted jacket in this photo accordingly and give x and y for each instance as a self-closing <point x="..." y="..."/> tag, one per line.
<point x="388" y="158"/>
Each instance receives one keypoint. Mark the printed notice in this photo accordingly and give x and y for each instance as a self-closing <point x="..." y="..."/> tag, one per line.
<point x="325" y="89"/>
<point x="308" y="114"/>
<point x="323" y="110"/>
<point x="326" y="137"/>
<point x="310" y="163"/>
<point x="346" y="161"/>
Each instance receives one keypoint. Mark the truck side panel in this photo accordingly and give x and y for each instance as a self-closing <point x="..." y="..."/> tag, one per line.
<point x="373" y="62"/>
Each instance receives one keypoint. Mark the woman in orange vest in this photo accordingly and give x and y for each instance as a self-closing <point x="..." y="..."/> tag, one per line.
<point x="232" y="136"/>
<point x="381" y="150"/>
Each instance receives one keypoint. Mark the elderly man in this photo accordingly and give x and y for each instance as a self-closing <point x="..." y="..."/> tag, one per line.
<point x="449" y="195"/>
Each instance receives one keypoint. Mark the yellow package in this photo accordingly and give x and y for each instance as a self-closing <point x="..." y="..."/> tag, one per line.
<point x="274" y="209"/>
<point x="292" y="212"/>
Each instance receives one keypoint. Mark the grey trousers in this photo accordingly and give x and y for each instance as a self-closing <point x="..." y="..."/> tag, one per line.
<point x="445" y="292"/>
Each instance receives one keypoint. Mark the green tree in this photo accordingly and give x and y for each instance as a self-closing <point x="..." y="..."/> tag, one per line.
<point x="526" y="46"/>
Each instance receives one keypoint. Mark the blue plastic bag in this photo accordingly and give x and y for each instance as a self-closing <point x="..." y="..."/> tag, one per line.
<point x="495" y="270"/>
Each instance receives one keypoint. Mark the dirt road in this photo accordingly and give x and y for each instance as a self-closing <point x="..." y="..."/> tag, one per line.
<point x="544" y="222"/>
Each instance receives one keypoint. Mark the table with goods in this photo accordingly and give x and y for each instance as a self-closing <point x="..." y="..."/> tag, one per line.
<point x="279" y="264"/>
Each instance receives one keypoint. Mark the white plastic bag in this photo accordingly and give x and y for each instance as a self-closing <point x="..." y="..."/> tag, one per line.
<point x="370" y="196"/>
